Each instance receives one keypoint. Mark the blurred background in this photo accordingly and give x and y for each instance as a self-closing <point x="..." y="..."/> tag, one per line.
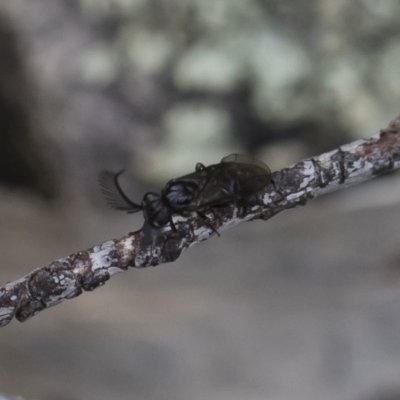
<point x="304" y="306"/>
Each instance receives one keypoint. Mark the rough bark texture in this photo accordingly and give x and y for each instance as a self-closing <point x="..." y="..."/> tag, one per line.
<point x="86" y="270"/>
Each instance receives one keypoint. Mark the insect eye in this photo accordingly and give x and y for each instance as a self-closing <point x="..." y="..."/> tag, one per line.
<point x="151" y="198"/>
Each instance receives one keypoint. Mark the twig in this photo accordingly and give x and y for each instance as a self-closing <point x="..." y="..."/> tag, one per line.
<point x="290" y="187"/>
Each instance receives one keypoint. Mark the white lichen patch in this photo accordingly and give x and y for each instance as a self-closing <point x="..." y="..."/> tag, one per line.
<point x="127" y="249"/>
<point x="295" y="196"/>
<point x="68" y="292"/>
<point x="127" y="245"/>
<point x="267" y="199"/>
<point x="6" y="312"/>
<point x="235" y="220"/>
<point x="140" y="259"/>
<point x="200" y="234"/>
<point x="358" y="167"/>
<point x="360" y="170"/>
<point x="325" y="160"/>
<point x="101" y="258"/>
<point x="308" y="173"/>
<point x="180" y="218"/>
<point x="70" y="289"/>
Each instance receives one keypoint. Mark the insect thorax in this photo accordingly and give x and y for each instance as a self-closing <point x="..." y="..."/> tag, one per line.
<point x="180" y="194"/>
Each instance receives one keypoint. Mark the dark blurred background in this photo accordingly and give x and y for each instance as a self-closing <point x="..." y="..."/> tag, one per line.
<point x="305" y="306"/>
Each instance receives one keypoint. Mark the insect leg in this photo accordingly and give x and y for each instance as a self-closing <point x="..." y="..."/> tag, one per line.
<point x="207" y="221"/>
<point x="173" y="226"/>
<point x="242" y="211"/>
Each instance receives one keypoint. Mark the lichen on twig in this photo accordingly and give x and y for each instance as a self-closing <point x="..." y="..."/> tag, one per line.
<point x="290" y="187"/>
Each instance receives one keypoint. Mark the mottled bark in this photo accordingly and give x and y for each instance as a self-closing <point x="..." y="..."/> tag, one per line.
<point x="290" y="187"/>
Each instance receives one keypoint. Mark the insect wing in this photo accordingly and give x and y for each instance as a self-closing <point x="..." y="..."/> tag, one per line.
<point x="217" y="187"/>
<point x="235" y="179"/>
<point x="113" y="194"/>
<point x="245" y="159"/>
<point x="250" y="175"/>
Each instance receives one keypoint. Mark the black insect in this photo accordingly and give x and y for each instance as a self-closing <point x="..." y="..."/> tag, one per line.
<point x="235" y="180"/>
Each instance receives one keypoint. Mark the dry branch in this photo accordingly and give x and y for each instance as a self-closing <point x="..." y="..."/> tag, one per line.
<point x="86" y="270"/>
